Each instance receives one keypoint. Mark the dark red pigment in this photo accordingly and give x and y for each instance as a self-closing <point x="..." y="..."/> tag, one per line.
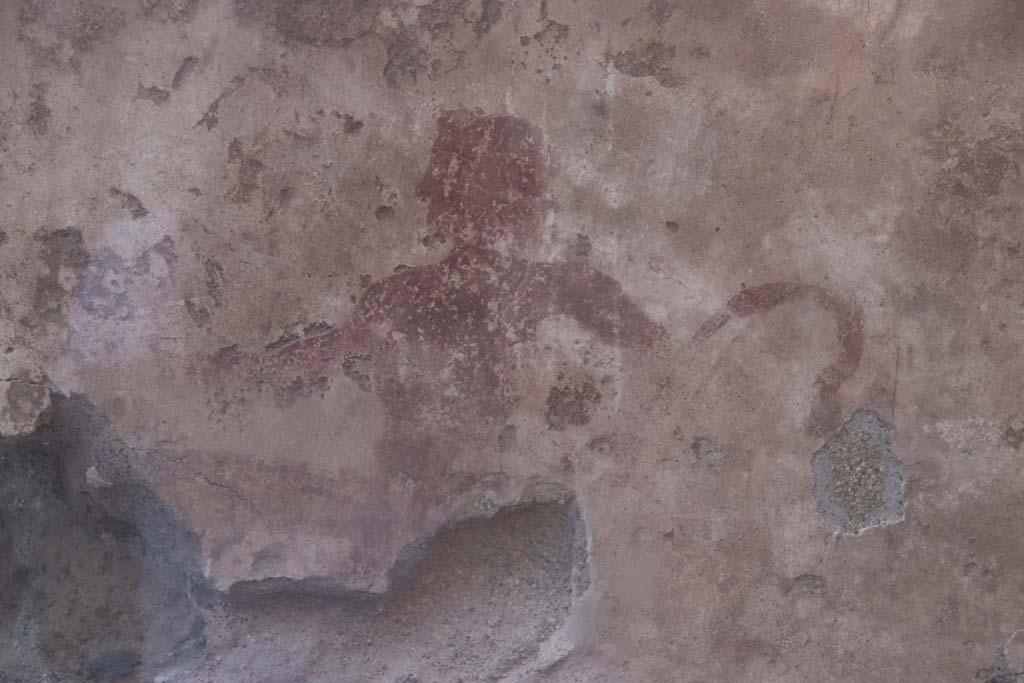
<point x="438" y="343"/>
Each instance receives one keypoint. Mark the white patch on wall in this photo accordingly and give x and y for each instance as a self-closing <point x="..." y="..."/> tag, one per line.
<point x="966" y="433"/>
<point x="125" y="297"/>
<point x="877" y="16"/>
<point x="977" y="459"/>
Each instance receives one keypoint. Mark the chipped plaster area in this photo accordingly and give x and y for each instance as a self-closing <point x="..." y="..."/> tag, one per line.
<point x="545" y="341"/>
<point x="859" y="481"/>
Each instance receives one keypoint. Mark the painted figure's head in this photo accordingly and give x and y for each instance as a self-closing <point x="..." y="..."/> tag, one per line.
<point x="485" y="178"/>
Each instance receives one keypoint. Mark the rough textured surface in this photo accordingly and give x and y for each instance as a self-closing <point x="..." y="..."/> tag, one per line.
<point x="92" y="587"/>
<point x="858" y="480"/>
<point x="473" y="340"/>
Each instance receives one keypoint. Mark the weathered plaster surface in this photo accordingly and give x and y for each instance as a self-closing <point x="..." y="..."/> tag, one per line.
<point x="471" y="340"/>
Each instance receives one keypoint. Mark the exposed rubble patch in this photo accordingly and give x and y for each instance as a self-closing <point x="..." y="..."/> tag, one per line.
<point x="475" y="602"/>
<point x="1003" y="669"/>
<point x="99" y="567"/>
<point x="94" y="576"/>
<point x="858" y="479"/>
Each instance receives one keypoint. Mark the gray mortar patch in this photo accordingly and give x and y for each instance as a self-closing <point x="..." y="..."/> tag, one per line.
<point x="1000" y="671"/>
<point x="858" y="480"/>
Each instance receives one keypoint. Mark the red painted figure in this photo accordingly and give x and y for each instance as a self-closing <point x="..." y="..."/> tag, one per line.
<point x="438" y="343"/>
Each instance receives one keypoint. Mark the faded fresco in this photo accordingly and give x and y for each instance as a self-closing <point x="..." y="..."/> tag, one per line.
<point x="470" y="340"/>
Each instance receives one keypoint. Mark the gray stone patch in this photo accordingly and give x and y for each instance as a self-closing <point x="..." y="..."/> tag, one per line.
<point x="806" y="586"/>
<point x="1000" y="671"/>
<point x="507" y="438"/>
<point x="858" y="479"/>
<point x="707" y="451"/>
<point x="111" y="665"/>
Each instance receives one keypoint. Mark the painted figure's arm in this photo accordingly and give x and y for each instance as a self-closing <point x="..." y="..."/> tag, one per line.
<point x="318" y="351"/>
<point x="598" y="303"/>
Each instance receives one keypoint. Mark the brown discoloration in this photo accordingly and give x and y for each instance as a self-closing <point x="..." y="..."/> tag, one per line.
<point x="211" y="117"/>
<point x="215" y="279"/>
<point x="507" y="438"/>
<point x="171" y="10"/>
<point x="707" y="452"/>
<point x="24" y="404"/>
<point x="975" y="166"/>
<point x="64" y="255"/>
<point x="405" y="59"/>
<point x="411" y="47"/>
<point x="649" y="59"/>
<point x="662" y="10"/>
<point x="357" y="367"/>
<point x="61" y="31"/>
<point x="185" y="70"/>
<point x="250" y="169"/>
<point x="571" y="401"/>
<point x="130" y="202"/>
<point x="825" y="412"/>
<point x="490" y="14"/>
<point x="806" y="586"/>
<point x="152" y="94"/>
<point x="352" y="125"/>
<point x="198" y="313"/>
<point x="316" y="23"/>
<point x="38" y="119"/>
<point x="549" y="36"/>
<point x="711" y="325"/>
<point x="1013" y="434"/>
